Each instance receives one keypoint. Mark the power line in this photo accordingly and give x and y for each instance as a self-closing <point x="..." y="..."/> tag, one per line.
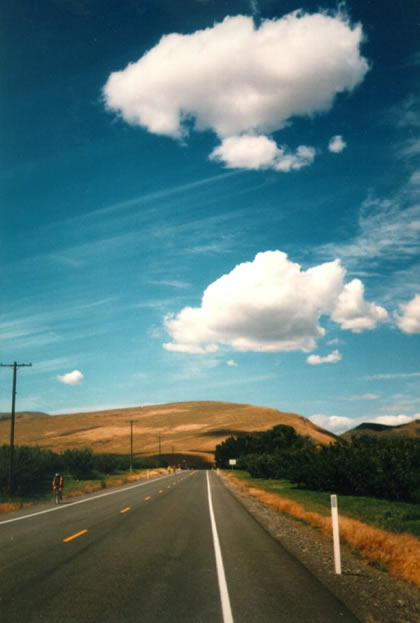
<point x="15" y="366"/>
<point x="131" y="445"/>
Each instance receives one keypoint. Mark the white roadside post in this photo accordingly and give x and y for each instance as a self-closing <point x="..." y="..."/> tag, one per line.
<point x="336" y="535"/>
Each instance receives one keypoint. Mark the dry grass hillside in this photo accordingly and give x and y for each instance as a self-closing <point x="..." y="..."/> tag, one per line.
<point x="187" y="428"/>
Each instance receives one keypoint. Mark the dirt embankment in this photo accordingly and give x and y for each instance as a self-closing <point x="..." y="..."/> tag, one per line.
<point x="371" y="594"/>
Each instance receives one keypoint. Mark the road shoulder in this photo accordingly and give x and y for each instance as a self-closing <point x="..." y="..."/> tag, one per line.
<point x="372" y="595"/>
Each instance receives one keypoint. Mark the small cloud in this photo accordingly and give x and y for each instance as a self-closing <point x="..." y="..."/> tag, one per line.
<point x="333" y="341"/>
<point x="192" y="349"/>
<point x="154" y="332"/>
<point x="232" y="363"/>
<point x="316" y="360"/>
<point x="415" y="178"/>
<point x="253" y="5"/>
<point x="336" y="144"/>
<point x="409" y="320"/>
<point x="174" y="283"/>
<point x="406" y="113"/>
<point x="260" y="152"/>
<point x="390" y="377"/>
<point x="410" y="149"/>
<point x="71" y="378"/>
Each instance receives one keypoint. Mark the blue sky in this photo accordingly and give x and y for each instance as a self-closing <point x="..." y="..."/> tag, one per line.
<point x="210" y="200"/>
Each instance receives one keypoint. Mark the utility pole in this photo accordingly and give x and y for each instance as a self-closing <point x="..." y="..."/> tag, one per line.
<point x="15" y="366"/>
<point x="131" y="445"/>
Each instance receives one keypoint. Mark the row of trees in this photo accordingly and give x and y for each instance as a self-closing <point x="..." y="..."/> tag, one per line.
<point x="35" y="467"/>
<point x="384" y="468"/>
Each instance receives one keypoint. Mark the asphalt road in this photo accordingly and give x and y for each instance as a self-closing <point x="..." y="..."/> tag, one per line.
<point x="178" y="549"/>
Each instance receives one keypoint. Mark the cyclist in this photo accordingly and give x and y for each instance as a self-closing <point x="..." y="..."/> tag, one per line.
<point x="57" y="485"/>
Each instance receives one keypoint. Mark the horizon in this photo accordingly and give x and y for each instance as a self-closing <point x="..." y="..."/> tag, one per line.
<point x="215" y="205"/>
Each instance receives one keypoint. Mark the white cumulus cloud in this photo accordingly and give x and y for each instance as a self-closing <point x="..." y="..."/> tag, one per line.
<point x="335" y="423"/>
<point x="238" y="79"/>
<point x="316" y="360"/>
<point x="337" y="144"/>
<point x="409" y="320"/>
<point x="71" y="378"/>
<point x="270" y="305"/>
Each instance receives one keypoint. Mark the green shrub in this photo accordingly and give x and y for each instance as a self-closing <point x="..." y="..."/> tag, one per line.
<point x="365" y="466"/>
<point x="79" y="463"/>
<point x="33" y="469"/>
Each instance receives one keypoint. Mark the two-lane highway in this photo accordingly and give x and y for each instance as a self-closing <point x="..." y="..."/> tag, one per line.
<point x="176" y="549"/>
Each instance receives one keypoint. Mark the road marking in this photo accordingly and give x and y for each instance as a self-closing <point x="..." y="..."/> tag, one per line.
<point x="126" y="509"/>
<point x="90" y="499"/>
<point x="221" y="576"/>
<point x="149" y="497"/>
<point x="74" y="536"/>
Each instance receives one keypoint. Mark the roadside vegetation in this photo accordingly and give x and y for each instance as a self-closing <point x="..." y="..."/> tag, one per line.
<point x="364" y="466"/>
<point x="393" y="550"/>
<point x="83" y="472"/>
<point x="397" y="517"/>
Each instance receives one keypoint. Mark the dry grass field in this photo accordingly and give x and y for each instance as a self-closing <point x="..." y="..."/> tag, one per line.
<point x="185" y="428"/>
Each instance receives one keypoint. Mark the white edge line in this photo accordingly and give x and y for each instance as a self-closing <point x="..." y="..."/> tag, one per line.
<point x="96" y="497"/>
<point x="224" y="594"/>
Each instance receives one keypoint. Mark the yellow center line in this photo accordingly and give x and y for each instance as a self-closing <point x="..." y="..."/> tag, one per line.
<point x="126" y="509"/>
<point x="74" y="536"/>
<point x="149" y="497"/>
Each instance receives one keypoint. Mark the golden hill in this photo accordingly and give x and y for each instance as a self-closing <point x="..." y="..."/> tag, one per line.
<point x="185" y="428"/>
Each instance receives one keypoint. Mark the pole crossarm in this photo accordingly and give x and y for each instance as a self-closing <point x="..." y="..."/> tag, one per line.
<point x="15" y="366"/>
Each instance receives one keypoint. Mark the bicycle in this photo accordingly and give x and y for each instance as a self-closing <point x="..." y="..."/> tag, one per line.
<point x="57" y="485"/>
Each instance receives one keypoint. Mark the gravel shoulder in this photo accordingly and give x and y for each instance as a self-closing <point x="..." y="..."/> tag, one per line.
<point x="371" y="594"/>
